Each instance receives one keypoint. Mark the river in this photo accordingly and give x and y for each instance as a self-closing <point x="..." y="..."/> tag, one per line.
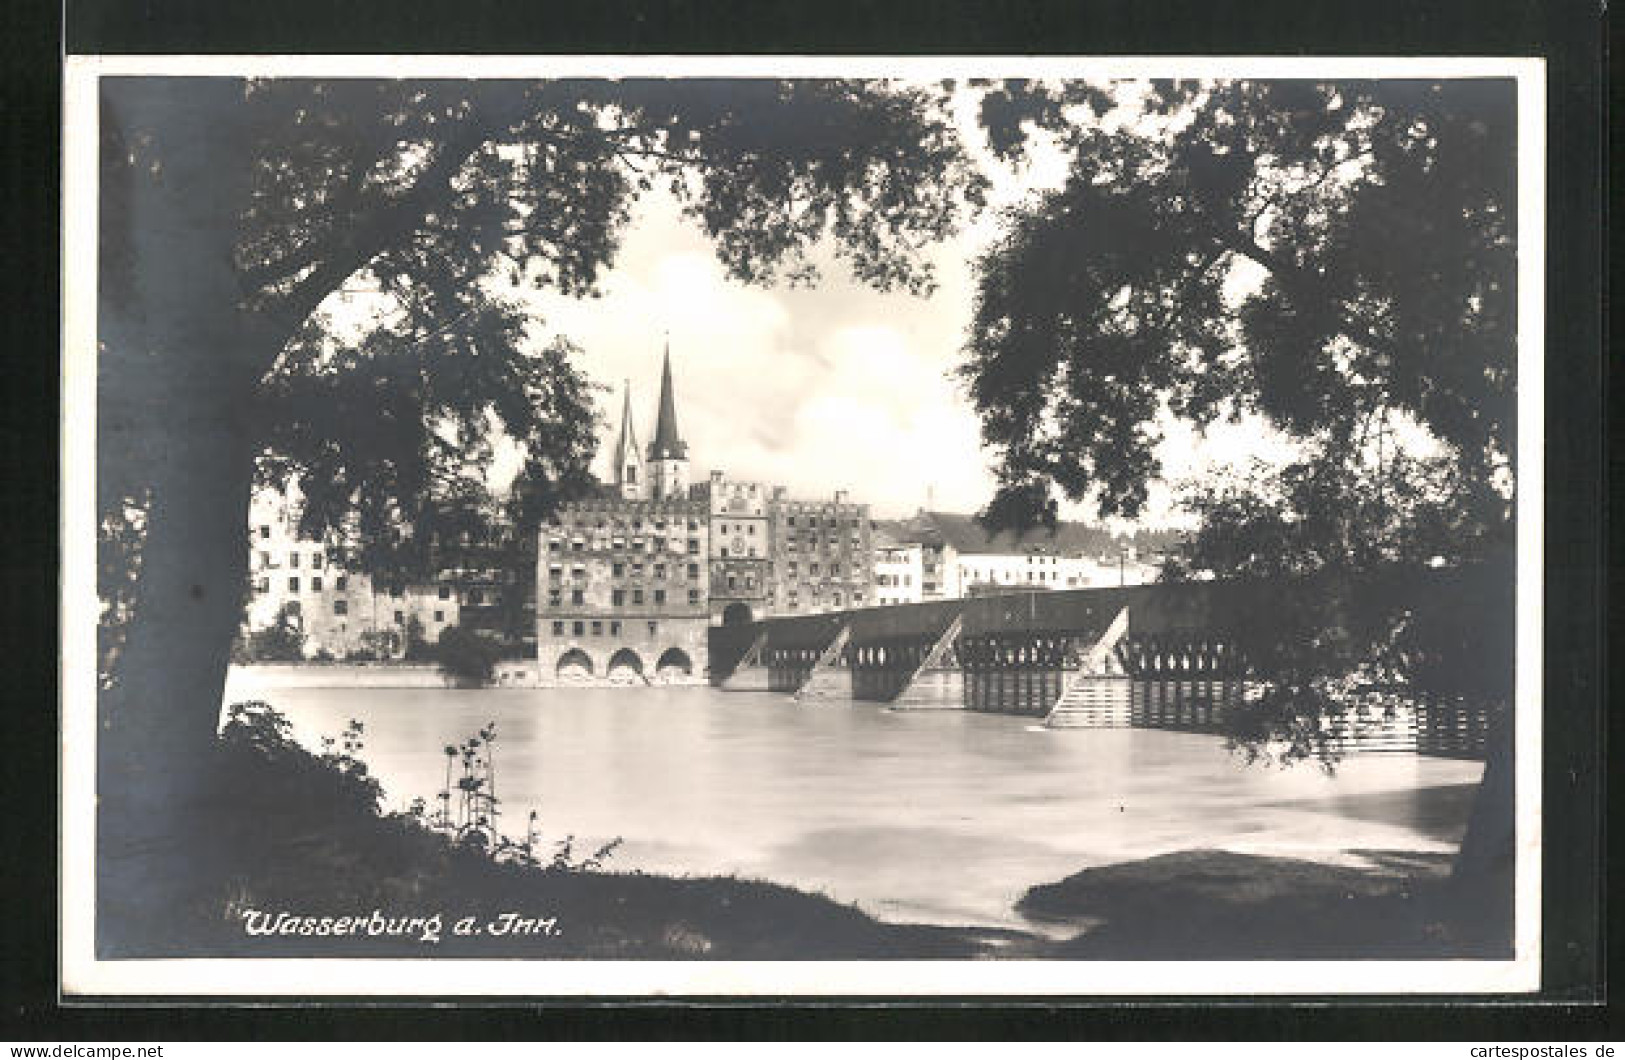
<point x="930" y="816"/>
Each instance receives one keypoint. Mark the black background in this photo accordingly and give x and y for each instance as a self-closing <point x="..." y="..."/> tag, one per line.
<point x="1569" y="35"/>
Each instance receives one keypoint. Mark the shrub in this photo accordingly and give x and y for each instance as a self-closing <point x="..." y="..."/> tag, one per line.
<point x="467" y="657"/>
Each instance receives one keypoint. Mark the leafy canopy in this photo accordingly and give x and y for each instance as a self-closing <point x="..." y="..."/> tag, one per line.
<point x="381" y="233"/>
<point x="1337" y="258"/>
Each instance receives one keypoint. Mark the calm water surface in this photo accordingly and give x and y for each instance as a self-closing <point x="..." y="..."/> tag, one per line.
<point x="937" y="816"/>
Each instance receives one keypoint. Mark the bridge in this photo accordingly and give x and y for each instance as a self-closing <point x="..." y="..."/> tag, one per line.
<point x="1158" y="656"/>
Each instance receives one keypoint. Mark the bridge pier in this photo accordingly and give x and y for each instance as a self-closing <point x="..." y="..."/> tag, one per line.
<point x="830" y="677"/>
<point x="750" y="675"/>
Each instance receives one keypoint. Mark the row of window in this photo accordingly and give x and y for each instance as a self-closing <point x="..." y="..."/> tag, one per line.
<point x="673" y="545"/>
<point x="811" y="521"/>
<point x="580" y="627"/>
<point x="617" y="597"/>
<point x="894" y="579"/>
<point x="317" y="559"/>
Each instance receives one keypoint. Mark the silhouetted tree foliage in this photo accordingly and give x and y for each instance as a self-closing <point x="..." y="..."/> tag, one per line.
<point x="1336" y="259"/>
<point x="316" y="281"/>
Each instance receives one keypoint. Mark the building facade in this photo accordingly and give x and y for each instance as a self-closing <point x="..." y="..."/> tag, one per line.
<point x="899" y="573"/>
<point x="740" y="535"/>
<point x="822" y="555"/>
<point x="623" y="579"/>
<point x="341" y="614"/>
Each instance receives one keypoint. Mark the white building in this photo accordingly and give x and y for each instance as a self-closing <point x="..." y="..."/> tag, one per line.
<point x="899" y="573"/>
<point x="340" y="613"/>
<point x="958" y="558"/>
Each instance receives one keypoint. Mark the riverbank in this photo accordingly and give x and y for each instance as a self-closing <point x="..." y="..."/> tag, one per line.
<point x="292" y="858"/>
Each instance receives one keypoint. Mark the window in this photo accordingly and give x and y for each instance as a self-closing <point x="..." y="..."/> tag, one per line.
<point x="341" y="583"/>
<point x="263" y="585"/>
<point x="439" y="616"/>
<point x="445" y="592"/>
<point x="617" y="597"/>
<point x="315" y="585"/>
<point x="750" y="581"/>
<point x="631" y="475"/>
<point x="637" y="596"/>
<point x="555" y="574"/>
<point x="834" y="570"/>
<point x="693" y="546"/>
<point x="399" y="618"/>
<point x="812" y="569"/>
<point x="265" y="532"/>
<point x="660" y="596"/>
<point x="553" y="597"/>
<point x="836" y="599"/>
<point x="637" y="570"/>
<point x="265" y="559"/>
<point x="693" y="597"/>
<point x="578" y="573"/>
<point x="614" y="627"/>
<point x="293" y="559"/>
<point x="475" y="597"/>
<point x="654" y="629"/>
<point x="293" y="585"/>
<point x="553" y="544"/>
<point x="753" y="528"/>
<point x="618" y="569"/>
<point x="558" y="629"/>
<point x="577" y="544"/>
<point x="724" y="551"/>
<point x="577" y="596"/>
<point x="693" y="571"/>
<point x="316" y="560"/>
<point x="597" y="628"/>
<point x="577" y="628"/>
<point x="660" y="570"/>
<point x="395" y="591"/>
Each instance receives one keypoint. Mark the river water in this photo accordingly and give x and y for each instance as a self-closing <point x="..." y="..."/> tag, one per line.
<point x="930" y="816"/>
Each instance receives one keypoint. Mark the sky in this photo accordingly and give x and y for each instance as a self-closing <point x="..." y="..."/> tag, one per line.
<point x="837" y="387"/>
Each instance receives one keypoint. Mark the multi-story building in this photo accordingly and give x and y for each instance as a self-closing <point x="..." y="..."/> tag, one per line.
<point x="740" y="533"/>
<point x="822" y="554"/>
<point x="960" y="558"/>
<point x="899" y="572"/>
<point x="339" y="612"/>
<point x="623" y="579"/>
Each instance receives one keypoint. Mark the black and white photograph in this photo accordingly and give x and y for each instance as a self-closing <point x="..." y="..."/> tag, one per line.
<point x="801" y="526"/>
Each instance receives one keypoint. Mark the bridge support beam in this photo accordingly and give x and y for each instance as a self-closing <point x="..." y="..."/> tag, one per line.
<point x="1095" y="697"/>
<point x="750" y="675"/>
<point x="829" y="679"/>
<point x="937" y="683"/>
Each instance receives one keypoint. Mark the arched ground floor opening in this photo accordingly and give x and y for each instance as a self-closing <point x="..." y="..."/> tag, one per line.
<point x="624" y="666"/>
<point x="574" y="665"/>
<point x="737" y="614"/>
<point x="674" y="663"/>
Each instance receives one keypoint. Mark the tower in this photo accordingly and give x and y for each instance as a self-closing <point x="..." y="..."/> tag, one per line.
<point x="631" y="478"/>
<point x="668" y="453"/>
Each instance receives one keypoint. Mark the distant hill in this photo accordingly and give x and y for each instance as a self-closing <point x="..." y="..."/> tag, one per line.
<point x="966" y="535"/>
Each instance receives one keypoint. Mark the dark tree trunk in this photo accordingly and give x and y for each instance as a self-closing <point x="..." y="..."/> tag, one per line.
<point x="179" y="363"/>
<point x="1483" y="878"/>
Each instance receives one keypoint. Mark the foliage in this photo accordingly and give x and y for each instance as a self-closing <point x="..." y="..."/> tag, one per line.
<point x="282" y="641"/>
<point x="1328" y="256"/>
<point x="467" y="656"/>
<point x="268" y="768"/>
<point x="1335" y="260"/>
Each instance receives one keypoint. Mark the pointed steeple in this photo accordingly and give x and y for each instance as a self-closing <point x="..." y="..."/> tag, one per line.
<point x="667" y="445"/>
<point x="628" y="461"/>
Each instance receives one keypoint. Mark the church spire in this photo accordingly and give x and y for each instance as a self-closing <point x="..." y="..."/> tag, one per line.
<point x="667" y="444"/>
<point x="628" y="461"/>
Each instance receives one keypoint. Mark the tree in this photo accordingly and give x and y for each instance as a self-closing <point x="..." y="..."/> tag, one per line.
<point x="1337" y="260"/>
<point x="237" y="216"/>
<point x="466" y="657"/>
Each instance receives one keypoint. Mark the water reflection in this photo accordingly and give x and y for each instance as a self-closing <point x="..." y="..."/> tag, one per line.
<point x="941" y="816"/>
